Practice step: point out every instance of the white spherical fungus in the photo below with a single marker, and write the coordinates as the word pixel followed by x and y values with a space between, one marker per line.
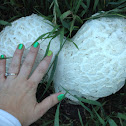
pixel 26 30
pixel 98 68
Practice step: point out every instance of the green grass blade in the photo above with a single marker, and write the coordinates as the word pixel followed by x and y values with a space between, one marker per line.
pixel 51 5
pixel 51 75
pixel 79 19
pixel 112 122
pixel 72 26
pixel 57 9
pixel 91 113
pixel 84 6
pixel 82 13
pixel 14 17
pixel 117 2
pixel 12 2
pixel 56 121
pixel 2 22
pixel 47 123
pixel 80 118
pixel 47 49
pixel 95 5
pixel 122 116
pixel 5 58
pixel 99 118
pixel 61 37
pixel 65 24
pixel 73 43
pixel 88 3
pixel 78 6
pixel 56 2
pixel 89 101
pixel 65 15
pixel 122 6
pixel 80 102
pixel 87 124
pixel 40 37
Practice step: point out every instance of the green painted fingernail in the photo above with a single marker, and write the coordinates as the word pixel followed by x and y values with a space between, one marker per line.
pixel 20 46
pixel 35 44
pixel 61 97
pixel 2 56
pixel 49 53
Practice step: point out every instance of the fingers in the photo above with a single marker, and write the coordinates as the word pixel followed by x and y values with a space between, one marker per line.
pixel 47 103
pixel 16 61
pixel 29 61
pixel 39 72
pixel 2 67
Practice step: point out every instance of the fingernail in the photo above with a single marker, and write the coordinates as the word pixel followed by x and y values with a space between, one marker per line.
pixel 20 46
pixel 2 56
pixel 61 97
pixel 35 44
pixel 49 53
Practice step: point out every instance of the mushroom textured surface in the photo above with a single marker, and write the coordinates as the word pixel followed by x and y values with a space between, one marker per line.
pixel 98 68
pixel 26 30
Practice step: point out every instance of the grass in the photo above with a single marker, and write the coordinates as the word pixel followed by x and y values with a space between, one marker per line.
pixel 68 16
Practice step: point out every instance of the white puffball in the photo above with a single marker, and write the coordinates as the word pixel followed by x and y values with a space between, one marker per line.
pixel 98 68
pixel 26 30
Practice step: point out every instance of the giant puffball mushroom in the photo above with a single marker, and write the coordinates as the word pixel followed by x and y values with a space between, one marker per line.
pixel 98 68
pixel 26 30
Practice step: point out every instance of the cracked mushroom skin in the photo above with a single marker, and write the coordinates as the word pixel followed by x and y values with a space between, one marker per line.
pixel 26 30
pixel 98 68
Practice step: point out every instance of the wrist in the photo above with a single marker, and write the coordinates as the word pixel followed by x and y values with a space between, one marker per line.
pixel 7 118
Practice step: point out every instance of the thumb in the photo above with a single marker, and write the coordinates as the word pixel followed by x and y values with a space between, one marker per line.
pixel 47 103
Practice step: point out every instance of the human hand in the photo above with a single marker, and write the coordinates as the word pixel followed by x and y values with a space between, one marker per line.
pixel 18 92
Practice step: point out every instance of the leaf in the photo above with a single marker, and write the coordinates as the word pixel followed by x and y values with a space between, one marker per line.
pixel 83 12
pixel 14 17
pixel 56 121
pixel 99 118
pixel 56 2
pixel 40 37
pixel 5 58
pixel 65 24
pixel 117 2
pixel 51 75
pixel 61 37
pixel 55 28
pixel 89 101
pixel 87 124
pixel 47 49
pixel 78 6
pixel 65 14
pixel 80 118
pixel 73 43
pixel 12 2
pixel 88 3
pixel 84 6
pixel 112 122
pixel 72 26
pixel 2 22
pixel 47 123
pixel 122 6
pixel 122 116
pixel 79 19
pixel 86 108
pixel 67 91
pixel 95 5
pixel 57 8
